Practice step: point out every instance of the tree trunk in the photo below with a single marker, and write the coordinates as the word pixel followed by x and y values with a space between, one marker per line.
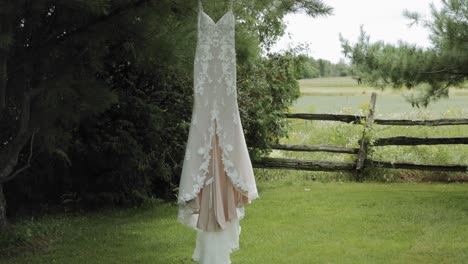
pixel 3 219
pixel 3 79
pixel 5 31
pixel 10 153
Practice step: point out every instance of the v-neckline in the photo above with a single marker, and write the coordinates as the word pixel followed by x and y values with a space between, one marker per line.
pixel 216 23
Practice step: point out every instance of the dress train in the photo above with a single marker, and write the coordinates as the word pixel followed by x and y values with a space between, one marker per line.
pixel 220 211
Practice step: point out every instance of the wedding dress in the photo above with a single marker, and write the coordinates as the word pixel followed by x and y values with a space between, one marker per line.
pixel 217 178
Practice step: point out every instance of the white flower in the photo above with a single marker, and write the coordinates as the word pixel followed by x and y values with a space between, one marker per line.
pixel 214 112
pixel 234 118
pixel 204 166
pixel 201 150
pixel 229 147
pixel 211 130
pixel 228 163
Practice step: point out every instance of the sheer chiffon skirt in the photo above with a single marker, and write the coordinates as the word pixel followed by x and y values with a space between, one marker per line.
pixel 221 207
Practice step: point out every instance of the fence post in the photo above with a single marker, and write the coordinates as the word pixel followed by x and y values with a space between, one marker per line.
pixel 362 154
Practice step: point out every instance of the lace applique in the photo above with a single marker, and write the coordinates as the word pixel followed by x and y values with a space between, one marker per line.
pixel 227 56
pixel 235 118
pixel 222 36
pixel 205 152
pixel 185 215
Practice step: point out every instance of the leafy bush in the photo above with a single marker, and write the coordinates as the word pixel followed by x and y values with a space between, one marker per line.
pixel 267 88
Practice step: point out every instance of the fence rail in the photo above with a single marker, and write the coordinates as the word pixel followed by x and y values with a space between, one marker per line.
pixel 356 119
pixel 311 165
pixel 336 149
pixel 411 141
pixel 362 161
pixel 412 166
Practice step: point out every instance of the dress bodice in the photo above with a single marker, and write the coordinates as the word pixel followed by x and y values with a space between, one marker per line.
pixel 215 60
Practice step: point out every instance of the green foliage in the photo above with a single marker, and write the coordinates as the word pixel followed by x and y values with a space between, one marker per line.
pixel 322 68
pixel 266 90
pixel 436 69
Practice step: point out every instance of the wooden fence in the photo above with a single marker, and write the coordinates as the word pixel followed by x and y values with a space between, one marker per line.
pixel 362 161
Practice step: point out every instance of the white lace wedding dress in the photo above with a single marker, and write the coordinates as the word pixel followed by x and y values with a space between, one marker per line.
pixel 217 177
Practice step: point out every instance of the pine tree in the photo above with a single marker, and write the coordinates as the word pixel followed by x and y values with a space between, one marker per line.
pixel 50 52
pixel 433 70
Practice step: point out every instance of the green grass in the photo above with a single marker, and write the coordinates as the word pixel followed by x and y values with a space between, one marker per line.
pixel 328 82
pixel 387 105
pixel 299 222
pixel 342 94
pixel 348 86
pixel 333 86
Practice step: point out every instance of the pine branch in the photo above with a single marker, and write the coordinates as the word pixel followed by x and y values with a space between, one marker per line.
pixel 116 12
pixel 53 42
pixel 443 70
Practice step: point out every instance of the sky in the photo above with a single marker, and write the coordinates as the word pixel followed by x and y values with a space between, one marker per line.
pixel 382 20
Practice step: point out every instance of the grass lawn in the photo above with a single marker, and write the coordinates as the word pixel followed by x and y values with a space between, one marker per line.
pixel 292 222
pixel 332 82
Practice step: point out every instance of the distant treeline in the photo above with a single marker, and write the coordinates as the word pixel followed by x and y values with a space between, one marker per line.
pixel 316 68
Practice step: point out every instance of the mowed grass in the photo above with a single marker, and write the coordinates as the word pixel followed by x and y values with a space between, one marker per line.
pixel 387 105
pixel 299 222
pixel 329 82
pixel 333 86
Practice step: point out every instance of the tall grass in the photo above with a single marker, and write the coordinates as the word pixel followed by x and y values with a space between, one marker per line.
pixel 341 134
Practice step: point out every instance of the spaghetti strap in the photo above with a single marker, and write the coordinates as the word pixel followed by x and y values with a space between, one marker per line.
pixel 230 4
pixel 200 5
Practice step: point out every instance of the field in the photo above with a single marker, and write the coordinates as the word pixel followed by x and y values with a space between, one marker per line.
pixel 347 85
pixel 342 94
pixel 301 216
